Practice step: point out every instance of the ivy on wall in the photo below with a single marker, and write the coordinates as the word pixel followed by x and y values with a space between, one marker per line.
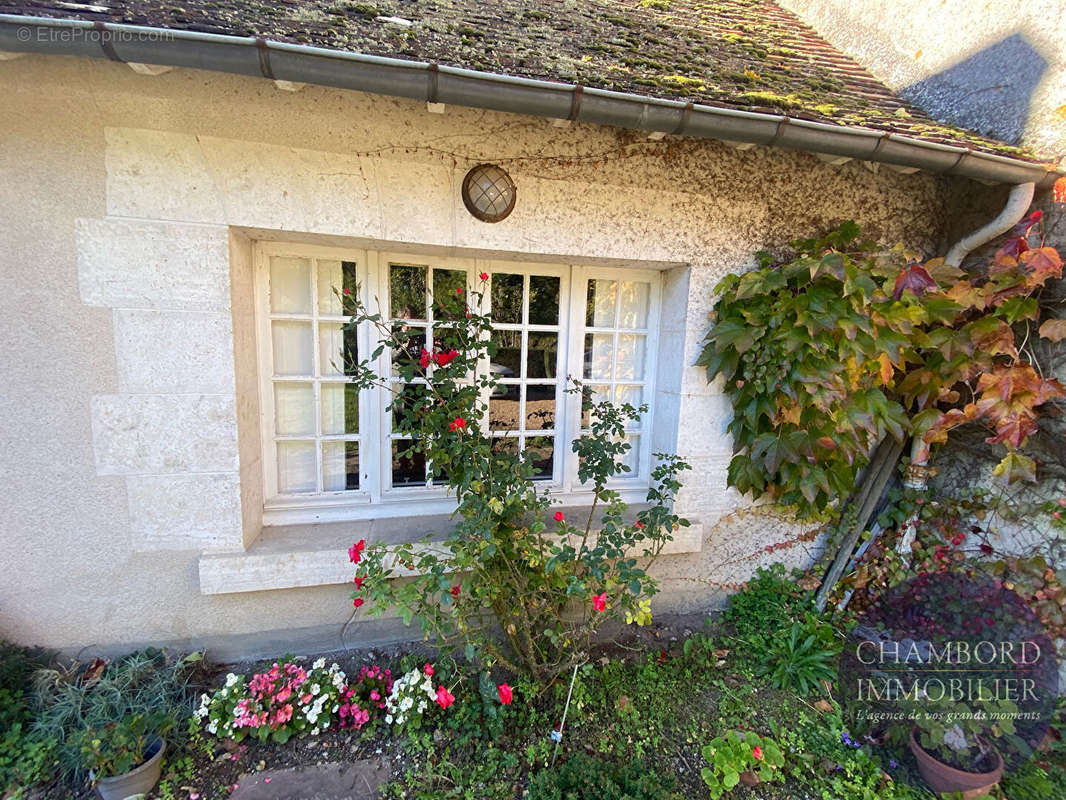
pixel 826 353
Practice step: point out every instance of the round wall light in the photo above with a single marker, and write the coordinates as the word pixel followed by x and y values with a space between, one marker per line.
pixel 489 193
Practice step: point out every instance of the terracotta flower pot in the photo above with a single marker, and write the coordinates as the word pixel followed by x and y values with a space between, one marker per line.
pixel 138 781
pixel 942 778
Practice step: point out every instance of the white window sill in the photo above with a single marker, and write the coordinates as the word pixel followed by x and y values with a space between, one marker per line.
pixel 297 556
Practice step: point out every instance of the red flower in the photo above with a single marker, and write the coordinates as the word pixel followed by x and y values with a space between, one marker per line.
pixel 506 694
pixel 958 538
pixel 428 669
pixel 443 359
pixel 455 591
pixel 424 359
pixel 358 580
pixel 347 292
pixel 355 552
pixel 484 276
pixel 357 602
pixel 458 291
pixel 559 516
pixel 444 697
pixel 638 525
pixel 986 549
pixel 457 424
pixel 757 752
pixel 599 601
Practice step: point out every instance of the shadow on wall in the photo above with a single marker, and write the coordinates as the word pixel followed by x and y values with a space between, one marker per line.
pixel 988 92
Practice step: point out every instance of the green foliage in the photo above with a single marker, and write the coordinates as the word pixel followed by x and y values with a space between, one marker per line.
pixel 766 606
pixel 1029 782
pixel 120 746
pixel 25 756
pixel 734 753
pixel 804 658
pixel 844 344
pixel 583 777
pixel 509 564
pixel 146 684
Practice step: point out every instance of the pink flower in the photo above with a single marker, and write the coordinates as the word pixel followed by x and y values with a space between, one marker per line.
pixel 599 602
pixel 355 552
pixel 428 669
pixel 283 695
pixel 457 424
pixel 1062 501
pixel 444 697
pixel 374 695
pixel 757 752
pixel 424 359
pixel 559 516
pixel 484 276
pixel 1056 515
pixel 305 698
pixel 506 694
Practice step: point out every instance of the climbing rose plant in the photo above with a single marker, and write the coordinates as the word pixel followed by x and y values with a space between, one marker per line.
pixel 825 354
pixel 510 565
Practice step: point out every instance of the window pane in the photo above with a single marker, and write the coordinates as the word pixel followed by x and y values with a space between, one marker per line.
pixel 405 405
pixel 600 307
pixel 294 409
pixel 506 444
pixel 290 285
pixel 543 300
pixel 338 349
pixel 340 408
pixel 408 469
pixel 630 361
pixel 633 309
pixel 296 467
pixel 407 292
pixel 542 355
pixel 292 348
pixel 631 458
pixel 540 407
pixel 340 466
pixel 503 408
pixel 410 355
pixel 506 298
pixel 449 293
pixel 599 348
pixel 507 363
pixel 541 452
pixel 333 278
pixel 632 395
pixel 600 392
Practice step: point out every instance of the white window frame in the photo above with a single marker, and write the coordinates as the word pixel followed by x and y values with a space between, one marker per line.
pixel 376 498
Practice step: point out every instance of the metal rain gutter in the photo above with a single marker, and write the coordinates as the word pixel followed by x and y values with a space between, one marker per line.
pixel 433 83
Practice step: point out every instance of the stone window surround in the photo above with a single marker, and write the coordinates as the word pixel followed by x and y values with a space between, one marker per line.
pixel 315 553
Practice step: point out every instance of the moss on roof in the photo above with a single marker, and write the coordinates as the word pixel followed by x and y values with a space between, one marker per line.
pixel 748 54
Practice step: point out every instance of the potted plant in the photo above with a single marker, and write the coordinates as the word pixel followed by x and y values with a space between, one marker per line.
pixel 954 748
pixel 740 757
pixel 125 757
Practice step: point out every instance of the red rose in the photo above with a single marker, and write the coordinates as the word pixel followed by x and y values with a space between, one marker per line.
pixel 357 602
pixel 443 359
pixel 599 602
pixel 444 697
pixel 356 550
pixel 424 359
pixel 506 694
pixel 559 516
pixel 484 276
pixel 757 752
pixel 455 591
pixel 457 424
pixel 358 580
pixel 428 669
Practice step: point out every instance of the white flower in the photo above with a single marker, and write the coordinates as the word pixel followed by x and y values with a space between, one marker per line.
pixel 320 664
pixel 212 727
pixel 224 693
pixel 335 667
pixel 315 688
pixel 388 718
pixel 231 679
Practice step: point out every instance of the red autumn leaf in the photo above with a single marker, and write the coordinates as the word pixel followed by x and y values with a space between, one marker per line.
pixel 916 278
pixel 1058 191
pixel 1041 264
pixel 1054 330
pixel 1027 224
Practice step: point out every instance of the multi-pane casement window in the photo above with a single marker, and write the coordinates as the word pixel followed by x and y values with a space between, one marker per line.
pixel 327 446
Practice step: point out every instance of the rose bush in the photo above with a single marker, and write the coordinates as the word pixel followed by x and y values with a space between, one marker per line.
pixel 505 567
